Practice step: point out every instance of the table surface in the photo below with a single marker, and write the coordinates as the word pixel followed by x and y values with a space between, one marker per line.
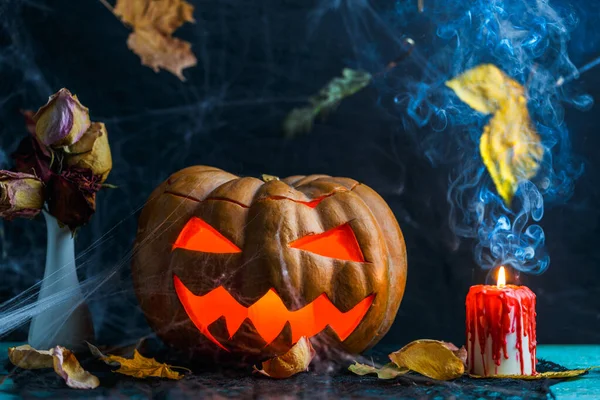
pixel 586 387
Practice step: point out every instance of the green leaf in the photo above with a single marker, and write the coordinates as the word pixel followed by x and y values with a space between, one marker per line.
pixel 300 120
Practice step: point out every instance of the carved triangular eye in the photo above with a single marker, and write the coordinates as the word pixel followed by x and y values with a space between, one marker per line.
pixel 339 242
pixel 197 235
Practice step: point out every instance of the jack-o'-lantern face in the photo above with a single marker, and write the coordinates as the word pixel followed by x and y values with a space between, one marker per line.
pixel 242 266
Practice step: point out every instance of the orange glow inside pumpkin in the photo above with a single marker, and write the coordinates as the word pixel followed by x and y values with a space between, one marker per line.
pixel 269 314
pixel 197 235
pixel 339 242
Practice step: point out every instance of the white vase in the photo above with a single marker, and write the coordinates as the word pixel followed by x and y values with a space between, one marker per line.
pixel 62 316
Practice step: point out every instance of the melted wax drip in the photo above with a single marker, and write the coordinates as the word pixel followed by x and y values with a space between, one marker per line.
pixel 490 308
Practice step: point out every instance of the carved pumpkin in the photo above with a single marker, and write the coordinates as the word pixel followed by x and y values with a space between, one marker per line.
pixel 224 264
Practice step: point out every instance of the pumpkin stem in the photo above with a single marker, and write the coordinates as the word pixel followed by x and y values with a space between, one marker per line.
pixel 269 178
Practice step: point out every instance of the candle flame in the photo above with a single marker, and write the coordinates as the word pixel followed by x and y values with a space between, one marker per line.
pixel 501 277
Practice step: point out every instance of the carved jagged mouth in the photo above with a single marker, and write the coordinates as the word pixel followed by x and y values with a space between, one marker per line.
pixel 269 314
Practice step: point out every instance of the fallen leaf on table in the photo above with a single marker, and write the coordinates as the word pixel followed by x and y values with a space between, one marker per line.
pixel 388 371
pixel 430 358
pixel 153 22
pixel 571 373
pixel 98 354
pixel 27 357
pixel 460 353
pixel 139 366
pixel 510 147
pixel 300 120
pixel 67 367
pixel 297 359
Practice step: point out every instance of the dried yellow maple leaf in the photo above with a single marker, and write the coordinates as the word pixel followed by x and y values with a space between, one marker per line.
pixel 161 51
pixel 68 368
pixel 431 358
pixel 153 22
pixel 510 147
pixel 166 16
pixel 141 367
pixel 297 359
pixel 27 357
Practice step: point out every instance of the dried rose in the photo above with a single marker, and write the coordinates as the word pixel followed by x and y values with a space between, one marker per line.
pixel 91 151
pixel 32 157
pixel 62 121
pixel 21 195
pixel 29 122
pixel 72 196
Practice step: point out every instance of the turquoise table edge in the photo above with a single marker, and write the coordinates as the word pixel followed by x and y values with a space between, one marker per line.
pixel 586 387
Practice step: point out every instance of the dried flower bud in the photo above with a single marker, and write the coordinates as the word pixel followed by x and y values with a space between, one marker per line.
pixel 91 151
pixel 32 157
pixel 21 195
pixel 62 121
pixel 72 196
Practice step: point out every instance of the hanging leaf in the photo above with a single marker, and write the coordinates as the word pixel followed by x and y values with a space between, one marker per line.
pixel 139 366
pixel 153 22
pixel 297 359
pixel 67 367
pixel 27 357
pixel 430 358
pixel 300 120
pixel 510 147
pixel 388 371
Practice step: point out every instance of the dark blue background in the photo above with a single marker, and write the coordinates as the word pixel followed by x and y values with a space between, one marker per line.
pixel 257 60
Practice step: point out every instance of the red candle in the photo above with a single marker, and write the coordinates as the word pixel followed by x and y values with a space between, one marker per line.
pixel 501 329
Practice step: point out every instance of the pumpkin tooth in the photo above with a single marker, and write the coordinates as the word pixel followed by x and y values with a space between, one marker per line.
pixel 269 315
pixel 283 342
pixel 247 339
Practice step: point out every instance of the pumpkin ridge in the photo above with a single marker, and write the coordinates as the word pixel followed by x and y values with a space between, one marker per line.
pixel 314 201
pixel 207 199
pixel 226 199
